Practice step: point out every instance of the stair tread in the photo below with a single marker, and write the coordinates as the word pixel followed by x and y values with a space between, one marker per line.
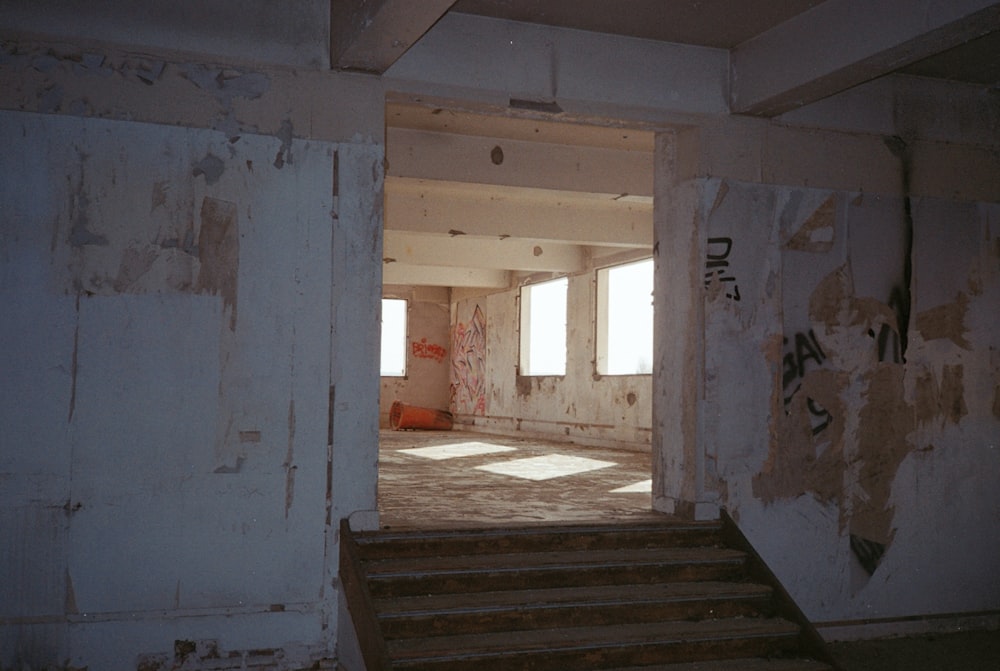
pixel 517 561
pixel 583 638
pixel 565 597
pixel 372 537
pixel 536 538
pixel 742 664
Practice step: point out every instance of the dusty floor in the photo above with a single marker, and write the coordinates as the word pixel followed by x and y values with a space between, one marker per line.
pixel 456 478
pixel 446 481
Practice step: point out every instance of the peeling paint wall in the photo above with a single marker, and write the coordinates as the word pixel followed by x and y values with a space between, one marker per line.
pixel 174 461
pixel 488 394
pixel 874 319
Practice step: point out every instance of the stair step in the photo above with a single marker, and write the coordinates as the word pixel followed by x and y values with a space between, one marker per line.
pixel 380 544
pixel 486 573
pixel 742 664
pixel 569 607
pixel 597 647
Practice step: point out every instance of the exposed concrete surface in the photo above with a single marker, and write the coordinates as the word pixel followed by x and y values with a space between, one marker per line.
pixel 419 491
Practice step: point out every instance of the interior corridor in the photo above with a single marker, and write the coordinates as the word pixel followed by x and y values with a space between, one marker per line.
pixel 457 478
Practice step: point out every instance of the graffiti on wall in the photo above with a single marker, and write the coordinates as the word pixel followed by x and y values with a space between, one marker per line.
pixel 428 350
pixel 805 348
pixel 468 365
pixel 717 266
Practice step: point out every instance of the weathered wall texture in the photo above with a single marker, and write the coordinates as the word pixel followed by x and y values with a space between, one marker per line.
pixel 190 258
pixel 167 362
pixel 872 318
pixel 487 393
pixel 428 357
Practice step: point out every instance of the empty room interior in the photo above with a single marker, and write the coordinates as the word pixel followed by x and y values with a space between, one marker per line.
pixel 496 334
pixel 518 298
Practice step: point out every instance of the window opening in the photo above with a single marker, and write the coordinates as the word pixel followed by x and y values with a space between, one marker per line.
pixel 393 357
pixel 625 319
pixel 543 328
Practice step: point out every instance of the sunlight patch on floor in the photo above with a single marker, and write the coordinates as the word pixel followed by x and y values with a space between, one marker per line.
pixel 545 467
pixel 440 452
pixel 644 487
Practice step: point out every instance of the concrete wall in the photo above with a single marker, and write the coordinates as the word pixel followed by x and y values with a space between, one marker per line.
pixel 190 257
pixel 189 404
pixel 427 352
pixel 844 344
pixel 488 394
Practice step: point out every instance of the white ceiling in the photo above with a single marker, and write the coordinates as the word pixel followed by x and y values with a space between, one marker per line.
pixel 474 201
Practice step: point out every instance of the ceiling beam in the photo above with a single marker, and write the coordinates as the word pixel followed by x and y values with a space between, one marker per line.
pixel 441 276
pixel 464 251
pixel 370 35
pixel 543 165
pixel 841 43
pixel 478 210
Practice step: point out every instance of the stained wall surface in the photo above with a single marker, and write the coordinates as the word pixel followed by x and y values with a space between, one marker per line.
pixel 582 406
pixel 427 352
pixel 190 255
pixel 850 379
pixel 173 300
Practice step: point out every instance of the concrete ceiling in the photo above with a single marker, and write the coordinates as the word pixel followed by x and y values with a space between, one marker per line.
pixel 491 201
pixel 958 39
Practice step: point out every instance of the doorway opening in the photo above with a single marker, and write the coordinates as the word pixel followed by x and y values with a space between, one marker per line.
pixel 484 215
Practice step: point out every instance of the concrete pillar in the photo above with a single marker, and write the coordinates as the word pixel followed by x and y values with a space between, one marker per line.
pixel 679 343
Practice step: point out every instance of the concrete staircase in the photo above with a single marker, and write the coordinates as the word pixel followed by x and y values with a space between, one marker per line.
pixel 652 596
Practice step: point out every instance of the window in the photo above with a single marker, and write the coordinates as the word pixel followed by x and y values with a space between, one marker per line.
pixel 393 361
pixel 543 328
pixel 625 319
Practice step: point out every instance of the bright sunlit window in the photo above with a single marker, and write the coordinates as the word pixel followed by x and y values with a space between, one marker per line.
pixel 625 319
pixel 393 337
pixel 543 328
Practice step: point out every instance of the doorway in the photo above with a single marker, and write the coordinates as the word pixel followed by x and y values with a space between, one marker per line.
pixel 478 210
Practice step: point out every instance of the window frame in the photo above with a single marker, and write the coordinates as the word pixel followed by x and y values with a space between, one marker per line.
pixel 524 358
pixel 405 338
pixel 602 319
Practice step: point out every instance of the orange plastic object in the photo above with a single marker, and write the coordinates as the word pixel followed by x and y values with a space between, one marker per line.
pixel 402 416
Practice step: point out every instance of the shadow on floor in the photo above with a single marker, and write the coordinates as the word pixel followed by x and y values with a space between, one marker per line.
pixel 963 651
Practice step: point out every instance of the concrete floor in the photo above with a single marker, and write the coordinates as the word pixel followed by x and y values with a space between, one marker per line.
pixel 457 478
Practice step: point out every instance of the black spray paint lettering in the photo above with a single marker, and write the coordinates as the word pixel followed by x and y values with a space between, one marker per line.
pixel 717 262
pixel 806 348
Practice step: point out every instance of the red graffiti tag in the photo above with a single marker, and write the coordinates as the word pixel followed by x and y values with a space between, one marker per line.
pixel 426 350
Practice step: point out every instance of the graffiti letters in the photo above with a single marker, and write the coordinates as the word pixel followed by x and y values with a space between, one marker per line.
pixel 717 264
pixel 426 350
pixel 468 366
pixel 805 348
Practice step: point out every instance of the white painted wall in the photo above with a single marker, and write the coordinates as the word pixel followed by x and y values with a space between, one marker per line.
pixel 166 393
pixel 895 460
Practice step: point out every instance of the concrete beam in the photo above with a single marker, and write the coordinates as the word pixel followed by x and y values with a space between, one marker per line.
pixel 842 43
pixel 492 160
pixel 504 212
pixel 495 62
pixel 369 35
pixel 487 253
pixel 441 276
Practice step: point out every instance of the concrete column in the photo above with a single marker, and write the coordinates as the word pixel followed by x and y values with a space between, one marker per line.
pixel 679 342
